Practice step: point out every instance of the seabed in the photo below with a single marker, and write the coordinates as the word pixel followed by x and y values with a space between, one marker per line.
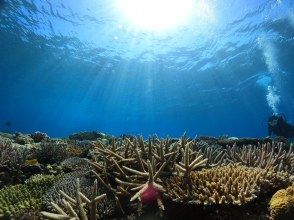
pixel 92 175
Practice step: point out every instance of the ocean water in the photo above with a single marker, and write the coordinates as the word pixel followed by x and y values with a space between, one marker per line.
pixel 69 65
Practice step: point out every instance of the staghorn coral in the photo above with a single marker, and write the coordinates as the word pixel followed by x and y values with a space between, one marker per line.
pixel 149 191
pixel 133 163
pixel 231 184
pixel 125 165
pixel 188 164
pixel 264 156
pixel 19 199
pixel 68 185
pixel 75 208
pixel 282 204
pixel 135 154
pixel 216 155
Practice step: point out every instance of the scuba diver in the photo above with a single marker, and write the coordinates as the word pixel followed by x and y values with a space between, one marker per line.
pixel 278 126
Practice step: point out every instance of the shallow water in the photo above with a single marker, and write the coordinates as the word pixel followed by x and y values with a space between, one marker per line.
pixel 67 66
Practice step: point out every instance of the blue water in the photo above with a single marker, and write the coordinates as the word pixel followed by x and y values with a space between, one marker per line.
pixel 67 66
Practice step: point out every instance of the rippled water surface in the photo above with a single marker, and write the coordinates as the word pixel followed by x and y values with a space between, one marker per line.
pixel 69 65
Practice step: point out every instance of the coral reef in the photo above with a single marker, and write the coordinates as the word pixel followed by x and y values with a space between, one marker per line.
pixel 231 184
pixel 75 207
pixel 22 139
pixel 69 186
pixel 88 135
pixel 42 180
pixel 51 152
pixel 264 156
pixel 187 164
pixel 282 204
pixel 39 136
pixel 79 148
pixel 216 155
pixel 11 161
pixel 149 191
pixel 19 199
pixel 135 175
pixel 75 164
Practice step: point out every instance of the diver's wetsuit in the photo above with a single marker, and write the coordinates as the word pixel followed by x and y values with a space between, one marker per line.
pixel 278 126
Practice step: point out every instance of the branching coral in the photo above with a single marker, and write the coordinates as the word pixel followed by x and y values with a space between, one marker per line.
pixel 131 169
pixel 75 208
pixel 231 184
pixel 149 191
pixel 187 165
pixel 216 155
pixel 264 156
pixel 68 185
pixel 137 165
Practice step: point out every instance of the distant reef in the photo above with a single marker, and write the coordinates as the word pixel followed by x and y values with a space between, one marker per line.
pixel 93 175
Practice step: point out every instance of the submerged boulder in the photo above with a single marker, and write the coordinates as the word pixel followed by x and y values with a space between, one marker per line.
pixel 22 139
pixel 39 136
pixel 88 135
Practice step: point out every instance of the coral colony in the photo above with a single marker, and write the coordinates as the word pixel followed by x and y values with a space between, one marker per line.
pixel 91 175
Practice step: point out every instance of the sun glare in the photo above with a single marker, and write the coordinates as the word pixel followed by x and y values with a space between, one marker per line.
pixel 156 15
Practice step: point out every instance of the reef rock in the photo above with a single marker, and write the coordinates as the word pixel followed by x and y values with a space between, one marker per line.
pixel 22 139
pixel 88 135
pixel 39 136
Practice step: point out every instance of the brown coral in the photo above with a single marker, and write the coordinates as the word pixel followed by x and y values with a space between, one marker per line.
pixel 11 160
pixel 216 155
pixel 231 184
pixel 282 204
pixel 263 156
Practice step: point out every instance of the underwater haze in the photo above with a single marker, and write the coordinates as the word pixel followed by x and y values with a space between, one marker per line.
pixel 73 65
